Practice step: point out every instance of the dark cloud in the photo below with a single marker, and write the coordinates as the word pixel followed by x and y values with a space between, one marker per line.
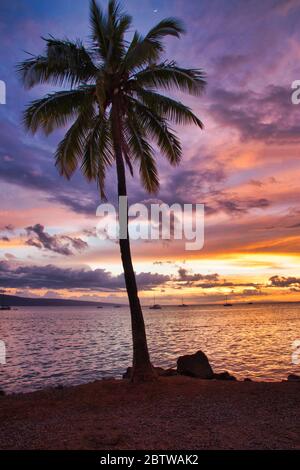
pixel 207 281
pixel 186 276
pixel 239 206
pixel 265 116
pixel 62 244
pixel 7 229
pixel 206 187
pixel 191 186
pixel 54 277
pixel 33 168
pixel 281 281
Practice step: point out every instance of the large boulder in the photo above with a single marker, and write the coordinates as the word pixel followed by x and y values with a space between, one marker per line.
pixel 195 365
pixel 293 378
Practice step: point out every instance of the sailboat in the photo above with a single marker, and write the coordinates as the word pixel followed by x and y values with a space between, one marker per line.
pixel 227 304
pixel 155 306
pixel 2 306
pixel 182 304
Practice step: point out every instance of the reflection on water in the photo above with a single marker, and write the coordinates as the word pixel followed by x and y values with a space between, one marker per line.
pixel 66 345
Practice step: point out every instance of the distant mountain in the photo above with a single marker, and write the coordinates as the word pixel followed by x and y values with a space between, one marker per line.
pixel 15 301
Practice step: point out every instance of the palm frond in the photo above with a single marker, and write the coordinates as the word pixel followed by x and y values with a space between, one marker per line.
pixel 98 23
pixel 71 149
pixel 118 42
pixel 168 75
pixel 98 153
pixel 157 130
pixel 64 62
pixel 166 27
pixel 118 24
pixel 143 51
pixel 57 109
pixel 168 108
pixel 140 52
pixel 143 153
pixel 149 173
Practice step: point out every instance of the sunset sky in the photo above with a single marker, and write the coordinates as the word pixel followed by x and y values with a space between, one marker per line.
pixel 244 166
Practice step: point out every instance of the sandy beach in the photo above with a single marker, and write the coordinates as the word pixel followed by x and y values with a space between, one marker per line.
pixel 174 413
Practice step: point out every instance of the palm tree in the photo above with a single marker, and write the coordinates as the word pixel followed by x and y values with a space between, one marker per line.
pixel 116 115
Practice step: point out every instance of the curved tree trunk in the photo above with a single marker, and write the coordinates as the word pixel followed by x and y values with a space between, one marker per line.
pixel 142 368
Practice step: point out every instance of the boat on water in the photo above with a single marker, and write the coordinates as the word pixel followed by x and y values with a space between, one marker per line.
pixel 3 306
pixel 182 304
pixel 117 306
pixel 99 306
pixel 155 306
pixel 227 304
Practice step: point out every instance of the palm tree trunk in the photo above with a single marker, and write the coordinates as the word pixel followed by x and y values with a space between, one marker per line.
pixel 142 368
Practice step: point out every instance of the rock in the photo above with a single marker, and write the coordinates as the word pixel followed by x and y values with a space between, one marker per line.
pixel 59 387
pixel 293 378
pixel 224 376
pixel 159 370
pixel 2 393
pixel 195 365
pixel 168 372
pixel 247 379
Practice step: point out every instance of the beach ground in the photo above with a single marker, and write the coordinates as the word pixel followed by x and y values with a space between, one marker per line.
pixel 174 413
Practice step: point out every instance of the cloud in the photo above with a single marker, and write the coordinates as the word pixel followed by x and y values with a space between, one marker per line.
pixel 5 231
pixel 238 206
pixel 208 281
pixel 281 281
pixel 62 244
pixel 188 277
pixel 266 116
pixel 54 277
pixel 188 186
pixel 32 168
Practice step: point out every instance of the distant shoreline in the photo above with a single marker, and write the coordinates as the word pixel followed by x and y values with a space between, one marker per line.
pixel 16 301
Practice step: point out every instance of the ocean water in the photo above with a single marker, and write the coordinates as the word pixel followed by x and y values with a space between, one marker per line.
pixel 48 346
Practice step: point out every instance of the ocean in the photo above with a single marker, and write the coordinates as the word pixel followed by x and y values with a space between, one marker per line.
pixel 50 346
